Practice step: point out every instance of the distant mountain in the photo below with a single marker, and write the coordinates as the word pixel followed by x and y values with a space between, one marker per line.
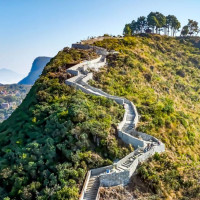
pixel 9 77
pixel 37 67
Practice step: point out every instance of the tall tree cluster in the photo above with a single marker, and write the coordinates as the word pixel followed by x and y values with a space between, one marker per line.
pixel 157 23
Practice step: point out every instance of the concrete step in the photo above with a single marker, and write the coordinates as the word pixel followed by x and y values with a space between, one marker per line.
pixel 119 170
pixel 79 78
pixel 93 184
pixel 127 127
pixel 129 122
pixel 92 188
pixel 130 117
pixel 122 168
pixel 130 110
pixel 127 165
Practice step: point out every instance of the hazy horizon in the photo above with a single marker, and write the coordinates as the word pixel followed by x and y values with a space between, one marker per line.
pixel 8 76
pixel 38 28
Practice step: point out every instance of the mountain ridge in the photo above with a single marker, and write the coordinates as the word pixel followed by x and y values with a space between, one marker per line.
pixel 37 67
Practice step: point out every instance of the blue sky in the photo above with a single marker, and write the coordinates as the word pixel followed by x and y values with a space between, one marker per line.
pixel 31 28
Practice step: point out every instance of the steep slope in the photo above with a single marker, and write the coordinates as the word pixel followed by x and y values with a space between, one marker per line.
pixel 37 67
pixel 8 76
pixel 56 135
pixel 161 76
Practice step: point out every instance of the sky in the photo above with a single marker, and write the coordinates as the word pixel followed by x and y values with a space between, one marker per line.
pixel 32 28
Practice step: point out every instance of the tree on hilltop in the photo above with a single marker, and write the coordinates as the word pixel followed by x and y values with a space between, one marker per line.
pixel 185 31
pixel 127 30
pixel 142 23
pixel 152 21
pixel 161 21
pixel 172 24
pixel 191 28
pixel 138 26
pixel 157 22
pixel 134 27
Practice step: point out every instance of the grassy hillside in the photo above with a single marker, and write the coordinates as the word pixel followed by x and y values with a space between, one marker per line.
pixel 161 75
pixel 56 135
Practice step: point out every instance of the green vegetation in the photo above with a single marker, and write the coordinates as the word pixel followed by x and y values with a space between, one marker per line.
pixel 156 22
pixel 56 135
pixel 160 75
pixel 191 28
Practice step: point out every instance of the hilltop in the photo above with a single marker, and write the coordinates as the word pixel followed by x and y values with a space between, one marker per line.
pixel 37 67
pixel 50 141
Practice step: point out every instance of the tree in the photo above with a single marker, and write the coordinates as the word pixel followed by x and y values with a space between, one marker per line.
pixel 134 27
pixel 141 23
pixel 176 27
pixel 185 31
pixel 156 20
pixel 127 30
pixel 173 24
pixel 193 27
pixel 152 21
pixel 161 21
pixel 169 21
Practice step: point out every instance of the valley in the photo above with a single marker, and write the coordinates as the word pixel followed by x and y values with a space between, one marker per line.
pixel 11 96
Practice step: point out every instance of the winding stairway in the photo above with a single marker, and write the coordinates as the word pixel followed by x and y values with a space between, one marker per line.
pixel 145 145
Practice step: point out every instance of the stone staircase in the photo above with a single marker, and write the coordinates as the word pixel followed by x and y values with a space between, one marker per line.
pixel 145 145
pixel 92 188
pixel 129 119
pixel 129 161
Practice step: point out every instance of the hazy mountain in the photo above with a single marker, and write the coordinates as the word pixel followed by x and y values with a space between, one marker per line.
pixel 8 76
pixel 38 65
